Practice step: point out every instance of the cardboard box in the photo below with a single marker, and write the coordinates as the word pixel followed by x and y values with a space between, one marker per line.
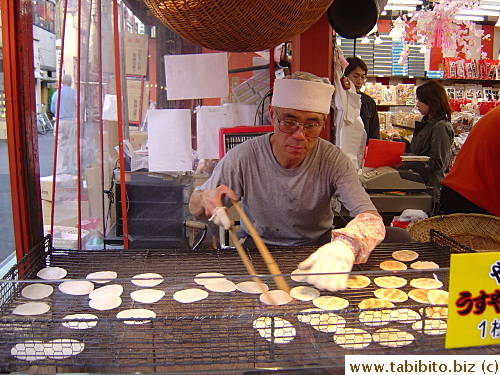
pixel 138 139
pixel 66 187
pixel 136 54
pixel 137 99
pixel 65 212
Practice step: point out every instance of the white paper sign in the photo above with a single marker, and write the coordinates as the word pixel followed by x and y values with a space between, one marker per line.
pixel 109 112
pixel 197 76
pixel 210 119
pixel 169 140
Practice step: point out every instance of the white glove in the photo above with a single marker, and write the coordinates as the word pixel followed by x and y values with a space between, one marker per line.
pixel 333 257
pixel 221 218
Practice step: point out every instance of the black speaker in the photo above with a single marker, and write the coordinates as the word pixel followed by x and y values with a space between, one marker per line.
pixel 353 19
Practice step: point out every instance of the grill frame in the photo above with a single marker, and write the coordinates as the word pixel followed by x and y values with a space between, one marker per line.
pixel 216 332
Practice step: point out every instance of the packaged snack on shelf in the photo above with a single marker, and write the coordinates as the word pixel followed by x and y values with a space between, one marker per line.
pixel 388 95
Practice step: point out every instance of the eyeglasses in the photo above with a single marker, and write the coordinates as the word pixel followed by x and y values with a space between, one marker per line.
pixel 311 130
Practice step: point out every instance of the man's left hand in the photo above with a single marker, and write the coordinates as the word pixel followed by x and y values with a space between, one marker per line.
pixel 331 258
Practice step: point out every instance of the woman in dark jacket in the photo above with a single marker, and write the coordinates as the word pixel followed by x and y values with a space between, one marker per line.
pixel 433 136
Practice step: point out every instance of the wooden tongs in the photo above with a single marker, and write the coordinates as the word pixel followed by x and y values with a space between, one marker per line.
pixel 272 266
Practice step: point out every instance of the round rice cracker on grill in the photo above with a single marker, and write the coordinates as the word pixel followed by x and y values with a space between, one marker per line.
pixel 375 318
pixel 436 312
pixel 113 289
pixel 102 277
pixel 405 255
pixel 279 297
pixel 307 315
pixel 431 327
pixel 373 303
pixel 31 308
pixel 301 277
pixel 392 337
pixel 390 281
pixel 155 279
pixel 76 288
pixel 63 348
pixel 389 294
pixel 277 330
pixel 424 265
pixel 147 295
pixel 405 316
pixel 352 338
pixel 438 297
pixel 419 295
pixel 205 277
pixel 426 283
pixel 105 302
pixel 330 303
pixel 304 293
pixel 190 295
pixel 392 265
pixel 251 287
pixel 30 350
pixel 74 321
pixel 357 281
pixel 37 291
pixel 139 314
pixel 220 285
pixel 52 273
pixel 328 322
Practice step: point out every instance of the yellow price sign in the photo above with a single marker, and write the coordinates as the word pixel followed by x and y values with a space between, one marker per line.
pixel 474 305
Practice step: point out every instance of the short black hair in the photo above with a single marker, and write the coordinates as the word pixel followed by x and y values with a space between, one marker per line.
pixel 355 62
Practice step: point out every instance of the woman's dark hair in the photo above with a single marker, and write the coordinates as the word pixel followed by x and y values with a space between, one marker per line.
pixel 355 62
pixel 434 95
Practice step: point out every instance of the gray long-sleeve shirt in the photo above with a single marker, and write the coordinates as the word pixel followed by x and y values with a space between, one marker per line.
pixel 290 207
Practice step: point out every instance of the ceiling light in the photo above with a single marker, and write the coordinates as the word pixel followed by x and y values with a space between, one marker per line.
pixel 405 2
pixel 365 40
pixel 469 18
pixel 400 7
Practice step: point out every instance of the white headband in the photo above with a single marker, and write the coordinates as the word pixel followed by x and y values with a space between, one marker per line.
pixel 304 95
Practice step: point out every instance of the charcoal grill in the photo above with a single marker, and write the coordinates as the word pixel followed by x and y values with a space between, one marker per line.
pixel 215 333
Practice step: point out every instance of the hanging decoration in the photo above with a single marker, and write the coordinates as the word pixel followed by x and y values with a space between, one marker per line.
pixel 438 27
pixel 238 25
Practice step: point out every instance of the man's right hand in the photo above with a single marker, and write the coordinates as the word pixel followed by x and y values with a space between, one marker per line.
pixel 203 203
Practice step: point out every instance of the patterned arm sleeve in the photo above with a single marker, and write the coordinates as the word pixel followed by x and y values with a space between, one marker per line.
pixel 361 234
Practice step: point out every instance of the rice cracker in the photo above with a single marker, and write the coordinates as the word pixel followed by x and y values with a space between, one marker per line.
pixel 419 295
pixel 431 327
pixel 405 316
pixel 438 297
pixel 389 294
pixel 392 265
pixel 375 317
pixel 405 255
pixel 352 338
pixel 390 282
pixel 357 281
pixel 392 337
pixel 424 265
pixel 426 283
pixel 435 312
pixel 373 303
pixel 330 303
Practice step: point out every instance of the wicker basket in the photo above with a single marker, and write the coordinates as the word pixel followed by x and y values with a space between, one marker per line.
pixel 476 231
pixel 70 243
pixel 238 25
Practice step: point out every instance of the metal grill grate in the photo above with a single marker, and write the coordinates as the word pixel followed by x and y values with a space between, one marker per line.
pixel 214 332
